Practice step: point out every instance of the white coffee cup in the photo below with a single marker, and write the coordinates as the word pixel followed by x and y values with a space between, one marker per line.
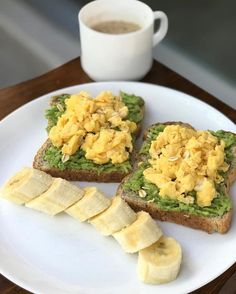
pixel 119 56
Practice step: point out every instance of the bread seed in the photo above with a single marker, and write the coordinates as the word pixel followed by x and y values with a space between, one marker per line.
pixel 146 188
pixel 100 111
pixel 142 193
pixel 173 158
pixel 60 107
pixel 186 155
pixel 199 185
pixel 114 114
pixel 65 157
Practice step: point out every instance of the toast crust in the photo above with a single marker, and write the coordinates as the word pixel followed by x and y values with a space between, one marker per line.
pixel 207 224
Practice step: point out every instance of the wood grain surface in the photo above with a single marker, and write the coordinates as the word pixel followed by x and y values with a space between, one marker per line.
pixel 70 74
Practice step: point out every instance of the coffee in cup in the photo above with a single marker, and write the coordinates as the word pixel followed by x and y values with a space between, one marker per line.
pixel 117 38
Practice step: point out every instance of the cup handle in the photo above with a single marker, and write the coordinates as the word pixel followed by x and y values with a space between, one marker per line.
pixel 160 34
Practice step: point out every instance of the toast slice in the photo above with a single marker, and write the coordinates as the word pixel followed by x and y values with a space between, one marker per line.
pixel 215 218
pixel 78 168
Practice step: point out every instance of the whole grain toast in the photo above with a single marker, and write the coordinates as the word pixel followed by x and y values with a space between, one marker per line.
pixel 219 224
pixel 74 174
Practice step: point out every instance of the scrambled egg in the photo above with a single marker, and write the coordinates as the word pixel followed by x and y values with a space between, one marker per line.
pixel 95 125
pixel 185 160
pixel 108 145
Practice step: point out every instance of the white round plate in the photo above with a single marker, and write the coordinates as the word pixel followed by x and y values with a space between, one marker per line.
pixel 61 255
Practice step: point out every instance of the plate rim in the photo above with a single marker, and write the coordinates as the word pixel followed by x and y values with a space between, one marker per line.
pixel 21 283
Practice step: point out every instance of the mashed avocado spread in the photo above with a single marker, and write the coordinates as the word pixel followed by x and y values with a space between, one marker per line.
pixel 53 155
pixel 219 206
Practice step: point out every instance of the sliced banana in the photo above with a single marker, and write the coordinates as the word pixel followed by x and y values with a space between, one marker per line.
pixel 26 185
pixel 118 216
pixel 93 203
pixel 57 198
pixel 160 263
pixel 140 234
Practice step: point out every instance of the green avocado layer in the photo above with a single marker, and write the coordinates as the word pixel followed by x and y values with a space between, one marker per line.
pixel 135 105
pixel 78 161
pixel 53 155
pixel 229 140
pixel 219 206
pixel 53 113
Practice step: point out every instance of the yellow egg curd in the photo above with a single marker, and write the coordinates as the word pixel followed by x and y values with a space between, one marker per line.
pixel 185 160
pixel 98 126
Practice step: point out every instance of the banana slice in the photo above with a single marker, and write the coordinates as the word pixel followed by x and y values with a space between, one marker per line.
pixel 140 234
pixel 93 203
pixel 160 263
pixel 118 216
pixel 26 185
pixel 57 198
